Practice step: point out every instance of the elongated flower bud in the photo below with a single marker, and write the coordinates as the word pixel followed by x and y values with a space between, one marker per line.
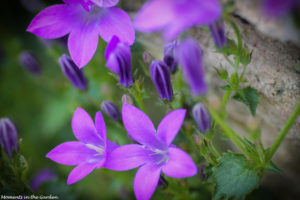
pixel 111 110
pixel 118 60
pixel 8 136
pixel 169 55
pixel 160 75
pixel 72 72
pixel 190 57
pixel 201 116
pixel 217 31
pixel 127 99
pixel 29 61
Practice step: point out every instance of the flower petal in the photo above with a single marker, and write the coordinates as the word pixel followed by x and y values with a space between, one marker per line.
pixel 100 125
pixel 105 3
pixel 170 125
pixel 111 46
pixel 145 181
pixel 52 22
pixel 84 129
pixel 127 157
pixel 140 127
pixel 116 22
pixel 155 15
pixel 80 172
pixel 82 43
pixel 110 146
pixel 71 153
pixel 180 164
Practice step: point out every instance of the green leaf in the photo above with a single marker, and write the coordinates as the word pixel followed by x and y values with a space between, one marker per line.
pixel 234 81
pixel 235 177
pixel 245 56
pixel 272 167
pixel 222 73
pixel 249 97
pixel 226 87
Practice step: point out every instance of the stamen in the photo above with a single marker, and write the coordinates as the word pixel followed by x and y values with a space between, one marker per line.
pixel 98 149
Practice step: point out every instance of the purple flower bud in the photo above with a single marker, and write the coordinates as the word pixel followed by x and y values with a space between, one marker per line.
pixel 147 58
pixel 190 57
pixel 118 58
pixel 217 30
pixel 160 75
pixel 169 58
pixel 72 72
pixel 201 116
pixel 29 61
pixel 126 99
pixel 111 110
pixel 8 136
pixel 42 176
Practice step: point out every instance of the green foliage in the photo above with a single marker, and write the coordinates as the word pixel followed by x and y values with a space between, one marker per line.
pixel 235 177
pixel 272 167
pixel 249 97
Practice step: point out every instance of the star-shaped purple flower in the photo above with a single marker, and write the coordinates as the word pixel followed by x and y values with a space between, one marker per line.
pixel 154 154
pixel 85 20
pixel 89 152
pixel 175 16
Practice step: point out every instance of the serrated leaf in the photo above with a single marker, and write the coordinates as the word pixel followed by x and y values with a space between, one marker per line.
pixel 235 177
pixel 249 97
pixel 272 167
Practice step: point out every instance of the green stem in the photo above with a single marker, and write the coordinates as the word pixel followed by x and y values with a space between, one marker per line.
pixel 224 101
pixel 140 102
pixel 284 131
pixel 237 33
pixel 230 133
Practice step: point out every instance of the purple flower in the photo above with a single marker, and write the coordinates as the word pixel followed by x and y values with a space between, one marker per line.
pixel 278 8
pixel 201 116
pixel 175 16
pixel 217 31
pixel 169 58
pixel 8 136
pixel 160 76
pixel 118 58
pixel 72 72
pixel 41 177
pixel 89 152
pixel 190 57
pixel 111 110
pixel 85 21
pixel 154 154
pixel 29 61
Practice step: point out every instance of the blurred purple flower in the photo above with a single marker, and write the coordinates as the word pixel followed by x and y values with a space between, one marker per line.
pixel 85 21
pixel 8 136
pixel 72 72
pixel 42 176
pixel 217 31
pixel 29 61
pixel 169 57
pixel 278 8
pixel 190 57
pixel 160 76
pixel 201 116
pixel 118 60
pixel 175 16
pixel 111 110
pixel 89 152
pixel 155 152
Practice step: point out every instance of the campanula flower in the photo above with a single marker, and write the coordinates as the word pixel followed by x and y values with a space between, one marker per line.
pixel 169 57
pixel 29 61
pixel 84 20
pixel 8 136
pixel 174 16
pixel 217 30
pixel 72 72
pixel 89 152
pixel 154 153
pixel 118 60
pixel 202 118
pixel 111 110
pixel 41 177
pixel 278 8
pixel 160 76
pixel 190 57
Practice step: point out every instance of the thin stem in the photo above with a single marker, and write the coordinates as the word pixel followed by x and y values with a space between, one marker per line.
pixel 224 101
pixel 140 102
pixel 230 133
pixel 284 131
